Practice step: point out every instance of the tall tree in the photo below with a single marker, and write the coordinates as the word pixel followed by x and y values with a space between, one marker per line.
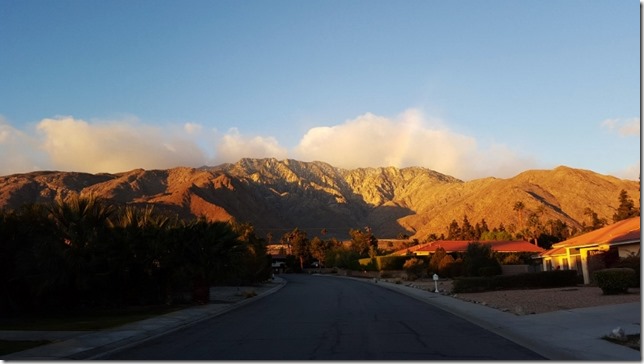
pixel 519 206
pixel 300 245
pixel 453 231
pixel 595 221
pixel 362 242
pixel 467 230
pixel 626 208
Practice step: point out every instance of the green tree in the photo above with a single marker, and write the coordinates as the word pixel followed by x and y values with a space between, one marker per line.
pixel 363 242
pixel 453 231
pixel 300 245
pixel 595 221
pixel 479 256
pixel 435 260
pixel 626 208
pixel 467 230
pixel 519 206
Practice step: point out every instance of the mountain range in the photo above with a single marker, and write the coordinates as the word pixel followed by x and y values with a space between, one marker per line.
pixel 276 196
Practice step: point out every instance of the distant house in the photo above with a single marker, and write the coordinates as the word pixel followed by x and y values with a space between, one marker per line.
pixel 460 246
pixel 620 239
pixel 278 253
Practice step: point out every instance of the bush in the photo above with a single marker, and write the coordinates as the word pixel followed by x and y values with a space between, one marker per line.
pixel 414 268
pixel 444 265
pixel 393 262
pixel 614 280
pixel 456 268
pixel 632 261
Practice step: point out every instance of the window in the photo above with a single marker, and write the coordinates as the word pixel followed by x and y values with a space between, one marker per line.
pixel 564 264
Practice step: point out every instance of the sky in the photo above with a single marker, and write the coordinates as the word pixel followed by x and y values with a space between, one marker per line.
pixel 467 88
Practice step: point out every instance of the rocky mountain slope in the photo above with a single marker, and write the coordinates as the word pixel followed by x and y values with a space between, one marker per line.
pixel 277 196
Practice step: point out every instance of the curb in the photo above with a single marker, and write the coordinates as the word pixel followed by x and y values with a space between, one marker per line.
pixel 164 331
pixel 132 334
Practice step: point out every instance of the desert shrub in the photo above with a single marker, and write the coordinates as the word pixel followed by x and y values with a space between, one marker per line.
pixel 414 268
pixel 444 265
pixel 614 280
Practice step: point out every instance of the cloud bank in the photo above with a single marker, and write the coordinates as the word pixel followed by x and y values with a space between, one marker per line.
pixel 409 139
pixel 625 127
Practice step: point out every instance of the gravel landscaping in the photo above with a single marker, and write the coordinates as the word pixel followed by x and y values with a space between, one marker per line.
pixel 532 301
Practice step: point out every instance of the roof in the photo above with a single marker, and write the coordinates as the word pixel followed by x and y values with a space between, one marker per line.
pixel 451 246
pixel 622 232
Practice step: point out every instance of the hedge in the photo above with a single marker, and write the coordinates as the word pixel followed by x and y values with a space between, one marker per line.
pixel 558 278
pixel 614 280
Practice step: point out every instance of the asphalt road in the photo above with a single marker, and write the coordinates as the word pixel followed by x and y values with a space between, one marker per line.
pixel 331 318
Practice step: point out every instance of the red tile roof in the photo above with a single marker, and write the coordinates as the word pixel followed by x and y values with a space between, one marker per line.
pixel 461 246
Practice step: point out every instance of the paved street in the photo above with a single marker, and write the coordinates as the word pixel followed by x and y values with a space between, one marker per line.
pixel 329 318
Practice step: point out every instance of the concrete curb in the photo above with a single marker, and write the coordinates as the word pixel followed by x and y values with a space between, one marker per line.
pixel 542 333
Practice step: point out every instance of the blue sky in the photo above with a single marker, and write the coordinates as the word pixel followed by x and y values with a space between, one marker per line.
pixel 468 88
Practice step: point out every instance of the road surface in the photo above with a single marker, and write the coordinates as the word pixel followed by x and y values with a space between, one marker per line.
pixel 331 318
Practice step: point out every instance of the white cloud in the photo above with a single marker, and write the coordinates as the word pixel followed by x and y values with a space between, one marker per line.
pixel 115 146
pixel 408 140
pixel 626 127
pixel 234 146
pixel 631 172
pixel 192 128
pixel 18 150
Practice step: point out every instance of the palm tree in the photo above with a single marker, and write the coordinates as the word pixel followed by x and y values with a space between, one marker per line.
pixel 82 247
pixel 519 207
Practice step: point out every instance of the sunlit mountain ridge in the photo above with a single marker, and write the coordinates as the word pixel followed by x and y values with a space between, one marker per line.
pixel 276 196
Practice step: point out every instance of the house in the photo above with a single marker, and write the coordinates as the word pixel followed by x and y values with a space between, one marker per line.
pixel 582 252
pixel 460 246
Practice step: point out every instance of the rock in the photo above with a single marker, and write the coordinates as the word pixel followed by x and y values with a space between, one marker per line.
pixel 618 334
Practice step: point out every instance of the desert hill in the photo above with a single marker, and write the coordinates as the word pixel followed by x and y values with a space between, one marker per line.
pixel 277 196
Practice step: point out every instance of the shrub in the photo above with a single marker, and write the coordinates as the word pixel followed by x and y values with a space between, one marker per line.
pixel 456 268
pixel 444 265
pixel 614 280
pixel 632 261
pixel 414 268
